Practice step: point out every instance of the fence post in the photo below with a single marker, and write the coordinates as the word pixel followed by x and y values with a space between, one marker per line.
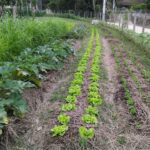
pixel 134 25
pixel 144 23
pixel 128 21
pixel 119 20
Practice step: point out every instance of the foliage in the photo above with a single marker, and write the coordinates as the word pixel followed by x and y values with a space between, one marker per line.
pixel 90 119
pixel 59 130
pixel 86 133
pixel 91 110
pixel 68 107
pixel 141 6
pixel 128 97
pixel 71 99
pixel 79 31
pixel 64 119
pixel 75 90
pixel 21 33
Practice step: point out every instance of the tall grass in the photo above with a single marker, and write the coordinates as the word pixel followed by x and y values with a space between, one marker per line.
pixel 18 34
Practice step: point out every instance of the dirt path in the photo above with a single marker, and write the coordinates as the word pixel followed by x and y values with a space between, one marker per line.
pixel 109 63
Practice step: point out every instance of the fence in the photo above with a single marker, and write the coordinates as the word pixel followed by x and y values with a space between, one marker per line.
pixel 138 22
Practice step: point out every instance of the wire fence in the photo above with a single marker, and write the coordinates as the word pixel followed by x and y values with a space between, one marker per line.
pixel 138 22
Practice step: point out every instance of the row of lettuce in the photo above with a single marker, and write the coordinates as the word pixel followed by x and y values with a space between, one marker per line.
pixel 28 69
pixel 75 90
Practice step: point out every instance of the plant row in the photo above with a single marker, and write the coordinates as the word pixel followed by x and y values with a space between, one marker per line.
pixel 128 97
pixel 94 99
pixel 73 92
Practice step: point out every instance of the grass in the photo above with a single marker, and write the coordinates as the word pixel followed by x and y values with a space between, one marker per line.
pixel 15 35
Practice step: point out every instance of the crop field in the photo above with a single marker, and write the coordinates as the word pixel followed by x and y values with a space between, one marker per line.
pixel 68 85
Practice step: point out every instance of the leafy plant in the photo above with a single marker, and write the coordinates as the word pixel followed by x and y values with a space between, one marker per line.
pixel 93 89
pixel 59 130
pixel 64 119
pixel 94 78
pixel 68 107
pixel 71 99
pixel 77 81
pixel 86 133
pixel 90 119
pixel 75 90
pixel 91 110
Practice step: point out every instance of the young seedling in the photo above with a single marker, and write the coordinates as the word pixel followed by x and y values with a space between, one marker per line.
pixel 59 130
pixel 68 107
pixel 64 119
pixel 90 119
pixel 86 133
pixel 75 90
pixel 91 110
pixel 71 99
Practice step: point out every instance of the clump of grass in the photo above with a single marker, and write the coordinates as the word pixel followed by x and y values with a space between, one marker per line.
pixel 21 33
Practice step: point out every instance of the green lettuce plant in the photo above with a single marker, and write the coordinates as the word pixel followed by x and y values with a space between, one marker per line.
pixel 95 101
pixel 59 130
pixel 91 110
pixel 64 119
pixel 71 99
pixel 86 133
pixel 75 90
pixel 90 119
pixel 68 107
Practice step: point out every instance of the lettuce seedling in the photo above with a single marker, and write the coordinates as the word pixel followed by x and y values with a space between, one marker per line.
pixel 75 90
pixel 68 107
pixel 93 88
pixel 94 84
pixel 78 81
pixel 93 94
pixel 81 69
pixel 71 99
pixel 95 101
pixel 59 130
pixel 91 110
pixel 94 78
pixel 132 110
pixel 95 69
pixel 86 133
pixel 90 119
pixel 64 119
pixel 130 102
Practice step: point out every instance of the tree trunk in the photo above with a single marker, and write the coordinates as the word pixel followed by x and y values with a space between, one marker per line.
pixel 114 5
pixel 104 9
pixel 94 7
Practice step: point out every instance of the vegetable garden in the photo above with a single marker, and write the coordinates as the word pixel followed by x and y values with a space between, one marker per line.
pixel 67 84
